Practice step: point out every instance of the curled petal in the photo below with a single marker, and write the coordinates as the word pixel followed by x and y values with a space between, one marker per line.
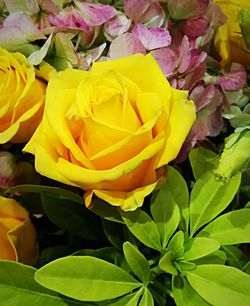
pixel 195 27
pixel 153 16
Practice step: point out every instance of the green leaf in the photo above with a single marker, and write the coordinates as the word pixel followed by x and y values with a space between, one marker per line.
pixel 176 245
pixel 221 285
pixel 230 228
pixel 202 160
pixel 210 197
pixel 184 294
pixel 177 186
pixel 143 228
pixel 235 257
pixel 105 210
pixel 114 232
pixel 127 300
pixel 137 262
pixel 185 265
pixel 218 257
pixel 166 264
pixel 200 247
pixel 147 298
pixel 86 278
pixel 71 216
pixel 166 214
pixel 17 287
pixel 48 189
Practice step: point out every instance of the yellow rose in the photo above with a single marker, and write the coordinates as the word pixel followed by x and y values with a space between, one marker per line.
pixel 110 130
pixel 21 98
pixel 17 234
pixel 229 42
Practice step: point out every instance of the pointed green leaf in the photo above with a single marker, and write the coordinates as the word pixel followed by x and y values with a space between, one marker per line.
pixel 200 247
pixel 176 245
pixel 166 214
pixel 202 160
pixel 137 262
pixel 221 285
pixel 177 186
pixel 166 264
pixel 147 298
pixel 185 265
pixel 210 197
pixel 18 287
pixel 127 300
pixel 184 294
pixel 235 257
pixel 72 216
pixel 86 278
pixel 114 232
pixel 218 257
pixel 143 228
pixel 230 228
pixel 103 210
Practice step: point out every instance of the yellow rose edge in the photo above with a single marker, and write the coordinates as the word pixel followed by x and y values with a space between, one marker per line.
pixel 180 120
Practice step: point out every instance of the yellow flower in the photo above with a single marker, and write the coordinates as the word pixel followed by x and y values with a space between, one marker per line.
pixel 229 42
pixel 21 98
pixel 109 131
pixel 17 234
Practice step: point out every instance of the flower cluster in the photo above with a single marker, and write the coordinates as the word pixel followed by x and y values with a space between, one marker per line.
pixel 104 96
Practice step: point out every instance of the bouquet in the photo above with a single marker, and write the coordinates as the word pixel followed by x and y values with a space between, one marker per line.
pixel 124 152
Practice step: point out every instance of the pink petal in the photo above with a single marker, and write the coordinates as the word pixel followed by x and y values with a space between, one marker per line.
pixel 95 14
pixel 124 45
pixel 184 55
pixel 152 38
pixel 154 15
pixel 206 97
pixel 195 27
pixel 68 19
pixel 166 58
pixel 235 79
pixel 135 8
pixel 117 25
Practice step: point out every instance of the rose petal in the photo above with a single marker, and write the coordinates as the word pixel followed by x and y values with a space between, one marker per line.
pixel 95 14
pixel 124 45
pixel 135 8
pixel 128 201
pixel 152 38
pixel 166 58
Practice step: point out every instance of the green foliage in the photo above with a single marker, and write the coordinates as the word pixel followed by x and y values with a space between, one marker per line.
pixel 221 285
pixel 18 287
pixel 180 249
pixel 209 198
pixel 86 278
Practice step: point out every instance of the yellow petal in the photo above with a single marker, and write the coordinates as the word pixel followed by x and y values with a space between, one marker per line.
pixel 181 119
pixel 87 177
pixel 142 70
pixel 127 201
